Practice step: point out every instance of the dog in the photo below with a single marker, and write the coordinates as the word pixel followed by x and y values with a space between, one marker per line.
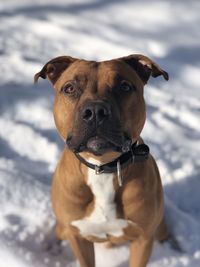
pixel 106 186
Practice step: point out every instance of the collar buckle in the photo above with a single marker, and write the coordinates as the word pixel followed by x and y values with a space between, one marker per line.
pixel 98 170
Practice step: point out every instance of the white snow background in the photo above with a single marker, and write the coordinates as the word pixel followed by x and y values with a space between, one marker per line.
pixel 32 32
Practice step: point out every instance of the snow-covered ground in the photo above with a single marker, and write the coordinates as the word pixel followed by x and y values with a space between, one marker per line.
pixel 33 32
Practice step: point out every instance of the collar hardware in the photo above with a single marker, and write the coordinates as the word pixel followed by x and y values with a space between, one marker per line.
pixel 137 153
pixel 98 169
pixel 119 173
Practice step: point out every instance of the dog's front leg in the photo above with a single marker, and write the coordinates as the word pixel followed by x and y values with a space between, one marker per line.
pixel 83 250
pixel 140 251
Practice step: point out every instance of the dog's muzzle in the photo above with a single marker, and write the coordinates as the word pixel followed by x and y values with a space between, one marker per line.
pixel 98 130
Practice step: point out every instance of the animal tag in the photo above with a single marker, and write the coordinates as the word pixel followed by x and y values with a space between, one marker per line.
pixel 119 173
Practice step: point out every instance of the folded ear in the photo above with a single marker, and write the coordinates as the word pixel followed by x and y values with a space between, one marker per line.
pixel 145 67
pixel 54 68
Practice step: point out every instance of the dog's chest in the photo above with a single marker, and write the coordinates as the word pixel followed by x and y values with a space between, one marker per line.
pixel 103 220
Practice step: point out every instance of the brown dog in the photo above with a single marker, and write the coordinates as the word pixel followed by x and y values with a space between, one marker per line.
pixel 106 186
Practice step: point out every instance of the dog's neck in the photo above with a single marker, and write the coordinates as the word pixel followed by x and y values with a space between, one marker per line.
pixel 137 153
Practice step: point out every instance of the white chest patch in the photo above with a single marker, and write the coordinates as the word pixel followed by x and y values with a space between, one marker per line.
pixel 102 221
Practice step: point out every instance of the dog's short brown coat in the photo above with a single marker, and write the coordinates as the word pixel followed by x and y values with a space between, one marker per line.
pixel 140 199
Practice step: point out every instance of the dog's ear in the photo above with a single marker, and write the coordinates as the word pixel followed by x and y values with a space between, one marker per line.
pixel 54 68
pixel 145 67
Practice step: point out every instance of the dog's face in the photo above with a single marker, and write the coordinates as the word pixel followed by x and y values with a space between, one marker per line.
pixel 99 106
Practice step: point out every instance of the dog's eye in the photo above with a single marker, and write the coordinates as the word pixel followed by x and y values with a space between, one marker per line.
pixel 126 86
pixel 68 89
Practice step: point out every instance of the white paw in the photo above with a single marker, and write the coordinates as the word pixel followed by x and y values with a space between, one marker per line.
pixel 101 230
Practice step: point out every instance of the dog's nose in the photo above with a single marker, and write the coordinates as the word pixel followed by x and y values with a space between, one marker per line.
pixel 96 111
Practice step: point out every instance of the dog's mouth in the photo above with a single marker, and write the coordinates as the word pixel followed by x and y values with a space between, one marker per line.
pixel 98 145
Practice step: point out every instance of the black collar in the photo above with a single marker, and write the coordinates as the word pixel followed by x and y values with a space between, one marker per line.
pixel 137 153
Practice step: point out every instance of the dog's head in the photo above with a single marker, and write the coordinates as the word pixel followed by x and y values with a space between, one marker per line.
pixel 99 106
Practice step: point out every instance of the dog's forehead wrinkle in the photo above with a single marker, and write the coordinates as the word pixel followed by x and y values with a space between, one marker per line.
pixel 80 77
pixel 96 77
pixel 112 72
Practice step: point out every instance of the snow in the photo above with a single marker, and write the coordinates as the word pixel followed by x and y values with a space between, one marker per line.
pixel 34 32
